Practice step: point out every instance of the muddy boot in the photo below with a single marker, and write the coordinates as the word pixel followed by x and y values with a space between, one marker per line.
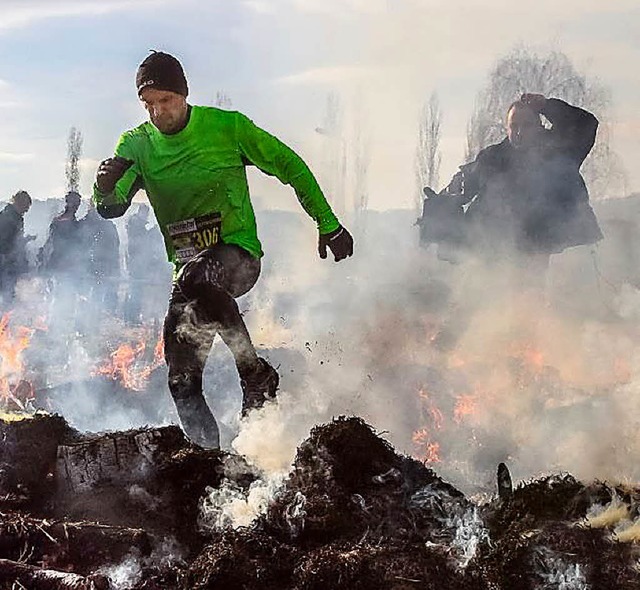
pixel 258 386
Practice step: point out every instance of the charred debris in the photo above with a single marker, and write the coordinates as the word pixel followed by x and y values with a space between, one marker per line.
pixel 123 510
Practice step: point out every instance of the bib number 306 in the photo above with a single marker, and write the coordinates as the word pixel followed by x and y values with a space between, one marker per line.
pixel 205 238
pixel 191 236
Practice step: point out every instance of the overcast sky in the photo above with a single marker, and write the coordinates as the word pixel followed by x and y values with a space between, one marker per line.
pixel 72 63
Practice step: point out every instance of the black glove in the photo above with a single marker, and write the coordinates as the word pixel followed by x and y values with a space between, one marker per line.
pixel 109 172
pixel 339 241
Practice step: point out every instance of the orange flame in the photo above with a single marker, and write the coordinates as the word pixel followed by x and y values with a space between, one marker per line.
pixel 427 449
pixel 158 351
pixel 127 364
pixel 11 365
pixel 466 405
pixel 514 362
pixel 437 417
pixel 533 357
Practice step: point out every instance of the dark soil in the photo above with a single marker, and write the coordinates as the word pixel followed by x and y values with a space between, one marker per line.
pixel 353 514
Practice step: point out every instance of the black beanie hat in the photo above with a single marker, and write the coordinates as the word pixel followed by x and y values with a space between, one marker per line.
pixel 162 72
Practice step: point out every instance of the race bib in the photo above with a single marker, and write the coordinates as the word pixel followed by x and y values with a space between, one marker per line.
pixel 191 236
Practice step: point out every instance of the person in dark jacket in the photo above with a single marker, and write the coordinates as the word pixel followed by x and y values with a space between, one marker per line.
pixel 12 242
pixel 526 195
pixel 523 199
pixel 60 252
pixel 102 269
pixel 60 259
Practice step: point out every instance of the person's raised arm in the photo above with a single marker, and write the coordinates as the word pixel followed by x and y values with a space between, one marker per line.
pixel 573 129
pixel 274 158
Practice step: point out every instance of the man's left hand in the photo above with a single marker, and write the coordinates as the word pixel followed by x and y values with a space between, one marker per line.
pixel 339 242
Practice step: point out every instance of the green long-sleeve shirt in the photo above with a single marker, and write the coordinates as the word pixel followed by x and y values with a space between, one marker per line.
pixel 201 170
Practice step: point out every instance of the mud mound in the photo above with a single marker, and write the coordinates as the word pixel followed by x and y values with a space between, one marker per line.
pixel 80 547
pixel 246 560
pixel 561 556
pixel 251 560
pixel 347 482
pixel 370 567
pixel 555 497
pixel 123 502
pixel 552 498
pixel 28 457
pixel 353 514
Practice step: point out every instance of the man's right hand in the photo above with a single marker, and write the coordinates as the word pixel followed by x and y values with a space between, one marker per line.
pixel 110 171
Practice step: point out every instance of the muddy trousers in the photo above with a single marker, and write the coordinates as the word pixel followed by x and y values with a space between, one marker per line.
pixel 202 305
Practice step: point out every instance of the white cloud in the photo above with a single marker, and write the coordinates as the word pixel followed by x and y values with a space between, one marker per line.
pixel 11 98
pixel 6 100
pixel 548 8
pixel 435 8
pixel 398 51
pixel 12 158
pixel 15 14
pixel 394 52
pixel 341 7
pixel 260 6
pixel 328 75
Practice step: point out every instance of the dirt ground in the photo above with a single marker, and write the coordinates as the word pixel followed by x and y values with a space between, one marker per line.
pixel 121 511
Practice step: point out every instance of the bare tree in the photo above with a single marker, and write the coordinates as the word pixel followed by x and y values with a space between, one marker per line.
pixel 552 74
pixel 428 154
pixel 74 153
